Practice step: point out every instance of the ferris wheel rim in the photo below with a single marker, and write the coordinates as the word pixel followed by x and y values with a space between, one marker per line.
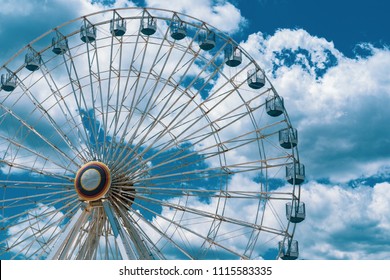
pixel 216 218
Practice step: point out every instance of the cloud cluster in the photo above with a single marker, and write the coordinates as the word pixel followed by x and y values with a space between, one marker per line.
pixel 337 103
pixel 220 14
pixel 345 223
pixel 23 21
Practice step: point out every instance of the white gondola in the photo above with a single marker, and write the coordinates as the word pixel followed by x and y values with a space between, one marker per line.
pixel 288 138
pixel 33 61
pixel 288 249
pixel 295 173
pixel 274 106
pixel 118 27
pixel 148 25
pixel 233 55
pixel 8 82
pixel 295 211
pixel 256 78
pixel 178 30
pixel 59 45
pixel 206 40
pixel 88 33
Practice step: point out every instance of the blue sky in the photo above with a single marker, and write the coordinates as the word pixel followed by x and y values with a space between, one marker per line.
pixel 346 23
pixel 330 60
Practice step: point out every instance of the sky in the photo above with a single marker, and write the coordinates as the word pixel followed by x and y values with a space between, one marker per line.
pixel 330 60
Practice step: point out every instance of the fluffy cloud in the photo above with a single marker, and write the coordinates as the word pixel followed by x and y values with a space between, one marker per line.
pixel 337 103
pixel 345 223
pixel 221 14
pixel 24 7
pixel 23 21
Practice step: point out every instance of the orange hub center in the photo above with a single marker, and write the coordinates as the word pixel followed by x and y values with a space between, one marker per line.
pixel 93 180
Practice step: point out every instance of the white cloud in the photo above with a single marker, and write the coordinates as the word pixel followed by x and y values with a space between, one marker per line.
pixel 265 48
pixel 220 14
pixel 19 8
pixel 337 103
pixel 345 223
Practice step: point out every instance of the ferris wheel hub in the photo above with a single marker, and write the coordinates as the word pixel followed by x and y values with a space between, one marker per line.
pixel 93 180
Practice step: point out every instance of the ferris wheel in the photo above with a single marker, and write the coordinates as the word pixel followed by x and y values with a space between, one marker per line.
pixel 142 133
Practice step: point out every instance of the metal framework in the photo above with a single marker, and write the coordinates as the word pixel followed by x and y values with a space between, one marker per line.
pixel 144 134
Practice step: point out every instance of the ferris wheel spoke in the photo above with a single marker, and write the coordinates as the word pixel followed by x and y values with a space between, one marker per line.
pixel 20 184
pixel 143 89
pixel 79 98
pixel 87 243
pixel 249 228
pixel 32 169
pixel 95 81
pixel 105 102
pixel 208 193
pixel 113 91
pixel 56 92
pixel 197 174
pixel 210 215
pixel 31 129
pixel 148 128
pixel 26 247
pixel 276 215
pixel 162 234
pixel 91 241
pixel 164 86
pixel 32 152
pixel 45 113
pixel 26 217
pixel 165 235
pixel 129 248
pixel 46 201
pixel 18 218
pixel 13 202
pixel 183 130
pixel 170 107
pixel 155 252
pixel 65 245
pixel 187 229
pixel 208 152
pixel 139 239
pixel 127 83
pixel 137 83
pixel 43 229
pixel 73 247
